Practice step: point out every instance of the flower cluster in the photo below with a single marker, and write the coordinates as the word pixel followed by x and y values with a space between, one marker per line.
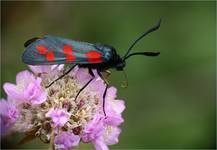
pixel 54 115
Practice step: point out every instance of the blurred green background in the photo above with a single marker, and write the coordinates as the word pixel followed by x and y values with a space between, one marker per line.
pixel 170 101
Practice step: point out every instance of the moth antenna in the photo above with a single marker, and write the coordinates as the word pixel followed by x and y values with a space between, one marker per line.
pixel 124 83
pixel 143 53
pixel 157 26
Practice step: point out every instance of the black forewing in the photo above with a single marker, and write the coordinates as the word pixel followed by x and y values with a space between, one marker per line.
pixel 55 45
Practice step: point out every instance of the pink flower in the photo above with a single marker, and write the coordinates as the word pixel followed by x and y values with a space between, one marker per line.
pixel 58 116
pixel 66 140
pixel 9 114
pixel 73 118
pixel 27 89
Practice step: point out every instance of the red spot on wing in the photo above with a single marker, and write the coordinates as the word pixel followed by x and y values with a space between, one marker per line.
pixel 44 51
pixel 70 58
pixel 68 53
pixel 50 56
pixel 41 49
pixel 67 49
pixel 94 56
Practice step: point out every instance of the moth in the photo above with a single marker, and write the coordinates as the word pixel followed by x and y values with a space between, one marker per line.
pixel 50 50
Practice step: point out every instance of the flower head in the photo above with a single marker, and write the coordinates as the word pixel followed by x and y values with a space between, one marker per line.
pixel 58 112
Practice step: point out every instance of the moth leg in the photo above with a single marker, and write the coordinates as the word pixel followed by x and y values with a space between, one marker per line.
pixel 93 76
pixel 105 91
pixel 61 76
pixel 104 94
pixel 105 75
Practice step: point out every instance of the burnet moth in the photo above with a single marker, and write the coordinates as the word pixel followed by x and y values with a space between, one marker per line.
pixel 51 50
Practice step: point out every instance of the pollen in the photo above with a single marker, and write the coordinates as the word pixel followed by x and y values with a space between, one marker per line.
pixel 67 91
pixel 62 98
pixel 109 129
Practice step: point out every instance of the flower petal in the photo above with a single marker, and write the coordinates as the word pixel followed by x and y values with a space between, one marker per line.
pixel 8 115
pixel 94 129
pixel 46 68
pixel 58 116
pixel 111 93
pixel 41 69
pixel 117 105
pixel 111 135
pixel 57 67
pixel 100 144
pixel 12 91
pixel 113 119
pixel 24 77
pixel 39 99
pixel 33 92
pixel 66 140
pixel 82 75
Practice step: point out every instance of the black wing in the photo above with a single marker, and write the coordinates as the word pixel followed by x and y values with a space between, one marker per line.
pixel 56 50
